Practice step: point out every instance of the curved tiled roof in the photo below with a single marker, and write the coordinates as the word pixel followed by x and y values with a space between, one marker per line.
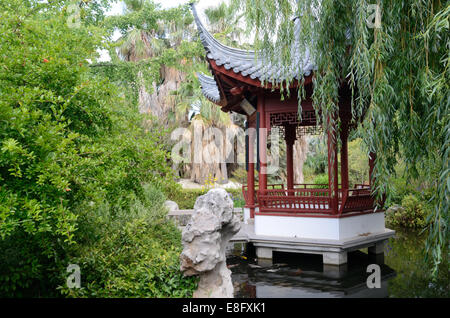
pixel 209 87
pixel 248 64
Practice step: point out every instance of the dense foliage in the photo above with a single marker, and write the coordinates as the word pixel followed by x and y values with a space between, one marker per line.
pixel 411 214
pixel 399 74
pixel 316 165
pixel 131 252
pixel 83 175
pixel 74 156
pixel 152 39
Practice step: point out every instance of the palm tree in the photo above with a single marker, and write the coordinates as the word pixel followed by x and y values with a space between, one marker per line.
pixel 176 100
pixel 147 32
pixel 141 41
pixel 200 114
pixel 224 24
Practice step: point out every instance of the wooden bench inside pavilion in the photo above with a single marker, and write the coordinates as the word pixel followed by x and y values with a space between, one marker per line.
pixel 329 219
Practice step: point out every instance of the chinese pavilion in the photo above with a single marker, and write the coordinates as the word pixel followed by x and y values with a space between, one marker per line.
pixel 329 219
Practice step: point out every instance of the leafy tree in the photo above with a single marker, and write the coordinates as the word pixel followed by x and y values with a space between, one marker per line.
pixel 68 140
pixel 224 23
pixel 399 74
pixel 147 29
pixel 318 158
pixel 154 42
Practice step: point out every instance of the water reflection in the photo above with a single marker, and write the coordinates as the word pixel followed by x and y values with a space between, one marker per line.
pixel 299 275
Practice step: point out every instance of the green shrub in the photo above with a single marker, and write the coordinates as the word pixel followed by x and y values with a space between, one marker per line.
pixel 238 199
pixel 401 189
pixel 322 181
pixel 317 160
pixel 358 163
pixel 412 213
pixel 130 253
pixel 67 140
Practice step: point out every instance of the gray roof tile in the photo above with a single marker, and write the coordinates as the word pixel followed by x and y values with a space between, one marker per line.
pixel 209 87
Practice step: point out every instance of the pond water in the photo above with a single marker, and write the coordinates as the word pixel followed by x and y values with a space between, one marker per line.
pixel 403 273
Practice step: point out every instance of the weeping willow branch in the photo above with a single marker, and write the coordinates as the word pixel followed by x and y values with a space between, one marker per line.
pixel 399 76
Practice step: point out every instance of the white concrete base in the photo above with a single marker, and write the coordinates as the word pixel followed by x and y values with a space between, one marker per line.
pixel 330 258
pixel 247 214
pixel 265 262
pixel 333 271
pixel 319 227
pixel 334 252
pixel 264 252
pixel 378 248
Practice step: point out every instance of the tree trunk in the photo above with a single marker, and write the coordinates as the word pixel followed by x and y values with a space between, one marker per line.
pixel 160 102
pixel 300 155
pixel 207 167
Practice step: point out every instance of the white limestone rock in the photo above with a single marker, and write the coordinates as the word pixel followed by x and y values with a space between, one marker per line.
pixel 205 239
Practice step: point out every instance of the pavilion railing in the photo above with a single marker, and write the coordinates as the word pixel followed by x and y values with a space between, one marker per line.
pixel 356 200
pixel 269 186
pixel 310 186
pixel 296 200
pixel 311 198
pixel 317 186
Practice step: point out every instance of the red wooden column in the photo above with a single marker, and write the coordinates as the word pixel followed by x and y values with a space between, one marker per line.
pixel 333 167
pixel 262 143
pixel 344 155
pixel 251 168
pixel 290 136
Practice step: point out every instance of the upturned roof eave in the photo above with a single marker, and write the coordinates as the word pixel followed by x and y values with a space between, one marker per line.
pixel 246 62
pixel 211 44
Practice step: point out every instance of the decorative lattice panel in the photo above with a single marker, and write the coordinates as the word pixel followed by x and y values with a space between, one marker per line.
pixel 309 130
pixel 291 118
pixel 308 125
